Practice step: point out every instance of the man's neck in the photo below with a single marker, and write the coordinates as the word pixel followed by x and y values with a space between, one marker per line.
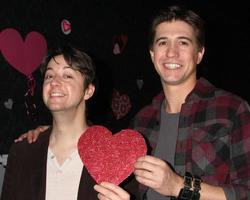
pixel 175 96
pixel 68 125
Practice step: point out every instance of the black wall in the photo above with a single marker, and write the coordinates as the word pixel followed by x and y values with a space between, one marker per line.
pixel 94 24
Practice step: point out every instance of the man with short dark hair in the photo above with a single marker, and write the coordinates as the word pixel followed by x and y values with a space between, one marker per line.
pixel 199 134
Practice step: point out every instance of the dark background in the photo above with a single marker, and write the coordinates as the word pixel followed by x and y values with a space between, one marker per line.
pixel 94 24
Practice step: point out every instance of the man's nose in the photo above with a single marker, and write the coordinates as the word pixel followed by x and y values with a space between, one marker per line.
pixel 172 50
pixel 56 80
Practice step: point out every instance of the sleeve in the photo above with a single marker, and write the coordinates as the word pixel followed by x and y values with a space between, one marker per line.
pixel 240 156
pixel 132 187
pixel 8 189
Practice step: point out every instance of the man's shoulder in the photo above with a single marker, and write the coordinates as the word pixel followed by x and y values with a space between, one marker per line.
pixel 228 96
pixel 151 109
pixel 149 115
pixel 24 145
pixel 155 104
pixel 209 92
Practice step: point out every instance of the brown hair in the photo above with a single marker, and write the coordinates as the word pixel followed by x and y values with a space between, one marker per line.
pixel 174 13
pixel 76 59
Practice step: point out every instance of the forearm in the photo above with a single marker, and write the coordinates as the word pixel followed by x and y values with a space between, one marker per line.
pixel 209 192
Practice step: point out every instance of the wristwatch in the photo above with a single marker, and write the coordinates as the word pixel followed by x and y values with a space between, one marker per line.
pixel 196 187
pixel 186 193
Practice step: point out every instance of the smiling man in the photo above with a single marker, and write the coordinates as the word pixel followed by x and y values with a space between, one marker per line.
pixel 199 134
pixel 51 168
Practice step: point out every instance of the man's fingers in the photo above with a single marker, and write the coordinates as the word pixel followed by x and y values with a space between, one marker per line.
pixel 32 135
pixel 43 128
pixel 144 174
pixel 150 159
pixel 147 164
pixel 144 181
pixel 21 137
pixel 111 191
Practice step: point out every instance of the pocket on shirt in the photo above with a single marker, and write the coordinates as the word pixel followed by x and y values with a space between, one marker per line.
pixel 210 151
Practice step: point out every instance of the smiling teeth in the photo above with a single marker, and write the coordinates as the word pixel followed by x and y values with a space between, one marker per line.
pixel 172 66
pixel 57 95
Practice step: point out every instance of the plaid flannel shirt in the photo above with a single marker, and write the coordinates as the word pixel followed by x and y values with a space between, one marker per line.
pixel 213 137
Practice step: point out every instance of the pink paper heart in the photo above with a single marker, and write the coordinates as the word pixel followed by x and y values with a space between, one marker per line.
pixel 25 56
pixel 66 26
pixel 121 41
pixel 110 157
pixel 116 49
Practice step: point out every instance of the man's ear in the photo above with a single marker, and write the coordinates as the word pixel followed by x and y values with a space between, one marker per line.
pixel 89 91
pixel 151 55
pixel 200 55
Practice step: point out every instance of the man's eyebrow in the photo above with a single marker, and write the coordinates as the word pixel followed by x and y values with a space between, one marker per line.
pixel 180 37
pixel 185 38
pixel 67 67
pixel 48 68
pixel 160 38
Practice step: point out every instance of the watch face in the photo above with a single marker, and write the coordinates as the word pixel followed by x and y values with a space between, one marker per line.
pixel 185 194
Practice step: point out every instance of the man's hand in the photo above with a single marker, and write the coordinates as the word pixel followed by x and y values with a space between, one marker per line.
pixel 32 135
pixel 110 191
pixel 156 174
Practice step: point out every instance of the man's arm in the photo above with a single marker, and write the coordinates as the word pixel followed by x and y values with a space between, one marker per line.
pixel 156 174
pixel 32 134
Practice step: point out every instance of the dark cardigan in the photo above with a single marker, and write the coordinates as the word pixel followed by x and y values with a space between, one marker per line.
pixel 25 175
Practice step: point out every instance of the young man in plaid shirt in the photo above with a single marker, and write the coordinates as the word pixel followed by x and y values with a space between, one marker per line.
pixel 199 134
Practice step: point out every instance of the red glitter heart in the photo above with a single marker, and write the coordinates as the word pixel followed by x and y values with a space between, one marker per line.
pixel 110 157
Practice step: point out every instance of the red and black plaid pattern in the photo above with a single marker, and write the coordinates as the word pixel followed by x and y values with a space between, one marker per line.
pixel 213 138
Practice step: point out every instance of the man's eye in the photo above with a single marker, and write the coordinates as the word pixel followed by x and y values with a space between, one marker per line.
pixel 162 43
pixel 68 76
pixel 183 43
pixel 48 77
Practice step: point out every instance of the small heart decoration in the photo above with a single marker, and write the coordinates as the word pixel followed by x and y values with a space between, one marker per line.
pixel 120 105
pixel 110 157
pixel 116 49
pixel 8 104
pixel 139 83
pixel 119 41
pixel 66 26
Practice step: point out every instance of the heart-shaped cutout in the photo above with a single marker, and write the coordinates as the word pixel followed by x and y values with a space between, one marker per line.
pixel 110 157
pixel 66 26
pixel 8 104
pixel 120 105
pixel 139 83
pixel 24 55
pixel 120 41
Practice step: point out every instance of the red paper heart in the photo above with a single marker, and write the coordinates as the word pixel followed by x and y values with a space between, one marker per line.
pixel 25 56
pixel 110 157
